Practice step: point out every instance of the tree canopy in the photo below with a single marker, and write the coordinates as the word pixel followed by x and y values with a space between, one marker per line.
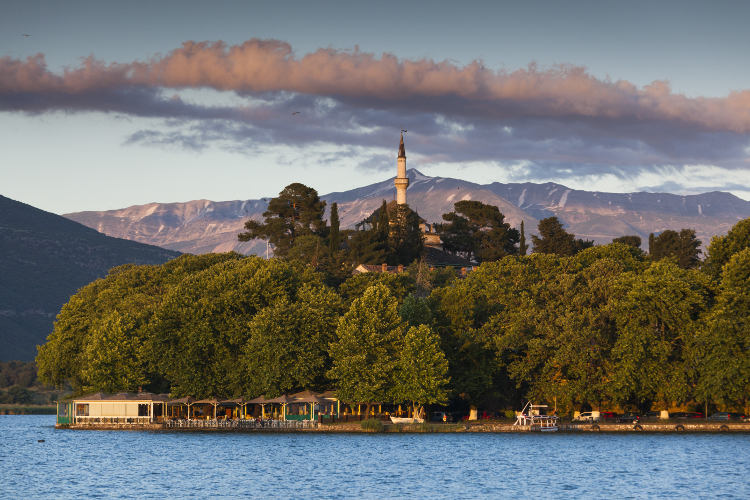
pixel 555 240
pixel 478 232
pixel 684 247
pixel 297 211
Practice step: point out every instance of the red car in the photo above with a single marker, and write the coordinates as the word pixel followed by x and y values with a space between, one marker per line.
pixel 607 415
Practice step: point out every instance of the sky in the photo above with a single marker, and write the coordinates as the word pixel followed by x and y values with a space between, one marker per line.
pixel 106 105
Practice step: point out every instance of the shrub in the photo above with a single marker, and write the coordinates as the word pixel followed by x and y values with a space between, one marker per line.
pixel 372 425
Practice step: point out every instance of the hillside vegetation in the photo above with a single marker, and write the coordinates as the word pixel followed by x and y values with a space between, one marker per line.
pixel 46 259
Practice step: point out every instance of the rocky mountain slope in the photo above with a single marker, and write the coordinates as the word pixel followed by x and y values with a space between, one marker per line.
pixel 45 259
pixel 207 226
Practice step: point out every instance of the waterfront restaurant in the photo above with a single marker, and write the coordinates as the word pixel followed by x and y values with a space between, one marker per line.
pixel 146 408
pixel 124 407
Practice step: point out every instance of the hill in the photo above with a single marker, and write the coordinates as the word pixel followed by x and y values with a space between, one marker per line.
pixel 45 259
pixel 207 226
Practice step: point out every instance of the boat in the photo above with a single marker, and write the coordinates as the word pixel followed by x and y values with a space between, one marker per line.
pixel 533 418
pixel 407 420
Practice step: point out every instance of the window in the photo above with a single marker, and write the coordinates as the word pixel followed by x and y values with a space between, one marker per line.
pixel 82 410
pixel 143 410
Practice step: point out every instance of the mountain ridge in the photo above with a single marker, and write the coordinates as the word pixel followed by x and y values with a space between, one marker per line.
pixel 46 258
pixel 200 226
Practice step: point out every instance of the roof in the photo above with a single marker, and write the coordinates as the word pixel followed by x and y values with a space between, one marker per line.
pixel 259 400
pixel 281 399
pixel 187 400
pixel 122 396
pixel 308 397
pixel 401 148
pixel 206 402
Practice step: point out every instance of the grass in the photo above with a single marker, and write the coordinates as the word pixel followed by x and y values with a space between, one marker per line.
pixel 372 425
pixel 13 409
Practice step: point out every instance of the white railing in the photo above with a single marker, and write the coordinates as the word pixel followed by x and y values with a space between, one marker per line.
pixel 240 424
pixel 86 420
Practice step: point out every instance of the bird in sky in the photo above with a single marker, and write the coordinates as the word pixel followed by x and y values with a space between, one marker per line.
pixel 26 35
pixel 295 112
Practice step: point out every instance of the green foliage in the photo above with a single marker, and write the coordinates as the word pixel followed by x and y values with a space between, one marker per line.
pixel 297 211
pixel 422 369
pixel 400 285
pixel 405 242
pixel 605 326
pixel 20 373
pixel 656 319
pixel 478 231
pixel 391 235
pixel 633 241
pixel 722 350
pixel 288 343
pixel 415 311
pixel 365 353
pixel 522 246
pixel 722 248
pixel 682 246
pixel 555 240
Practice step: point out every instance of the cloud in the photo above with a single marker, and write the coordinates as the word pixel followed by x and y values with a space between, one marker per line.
pixel 560 119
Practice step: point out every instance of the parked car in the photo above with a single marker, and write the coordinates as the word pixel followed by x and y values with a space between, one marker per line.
pixel 586 416
pixel 686 415
pixel 628 418
pixel 725 415
pixel 607 415
pixel 651 415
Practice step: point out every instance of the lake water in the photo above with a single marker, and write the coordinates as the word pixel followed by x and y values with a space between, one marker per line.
pixel 127 464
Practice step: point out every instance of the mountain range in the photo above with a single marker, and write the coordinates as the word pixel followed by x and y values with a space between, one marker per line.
pixel 46 258
pixel 202 226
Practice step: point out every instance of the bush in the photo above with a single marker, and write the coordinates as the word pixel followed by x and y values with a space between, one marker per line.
pixel 372 425
pixel 510 414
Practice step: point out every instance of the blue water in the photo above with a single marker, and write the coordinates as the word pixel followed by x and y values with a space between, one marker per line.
pixel 127 464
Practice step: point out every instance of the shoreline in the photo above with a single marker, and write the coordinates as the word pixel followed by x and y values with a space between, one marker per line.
pixel 440 428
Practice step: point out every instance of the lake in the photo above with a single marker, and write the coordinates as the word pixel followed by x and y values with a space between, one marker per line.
pixel 127 464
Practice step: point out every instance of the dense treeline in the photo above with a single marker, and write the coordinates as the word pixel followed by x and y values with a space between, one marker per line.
pixel 596 326
pixel 581 324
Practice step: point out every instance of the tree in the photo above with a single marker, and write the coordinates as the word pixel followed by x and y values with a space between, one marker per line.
pixel 478 231
pixel 633 241
pixel 366 351
pixel 405 242
pixel 287 348
pixel 554 239
pixel 334 237
pixel 657 319
pixel 722 248
pixel 415 311
pixel 522 246
pixel 422 369
pixel 682 246
pixel 297 211
pixel 722 352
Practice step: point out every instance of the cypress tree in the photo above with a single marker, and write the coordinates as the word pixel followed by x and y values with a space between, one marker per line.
pixel 334 238
pixel 522 246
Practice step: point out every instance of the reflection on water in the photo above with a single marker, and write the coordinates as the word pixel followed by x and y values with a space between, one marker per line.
pixel 160 464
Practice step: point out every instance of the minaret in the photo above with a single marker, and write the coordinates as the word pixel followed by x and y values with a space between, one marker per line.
pixel 402 181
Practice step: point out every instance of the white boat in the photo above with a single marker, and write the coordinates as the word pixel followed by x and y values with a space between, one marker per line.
pixel 407 420
pixel 531 416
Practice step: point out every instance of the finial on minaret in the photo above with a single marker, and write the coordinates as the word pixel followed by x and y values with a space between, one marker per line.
pixel 401 181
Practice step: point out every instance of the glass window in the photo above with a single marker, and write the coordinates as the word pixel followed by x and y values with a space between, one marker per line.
pixel 82 410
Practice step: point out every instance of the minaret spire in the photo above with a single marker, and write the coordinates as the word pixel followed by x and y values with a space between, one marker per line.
pixel 402 181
